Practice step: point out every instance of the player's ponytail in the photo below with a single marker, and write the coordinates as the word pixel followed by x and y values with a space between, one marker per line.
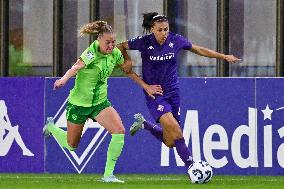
pixel 95 28
pixel 147 21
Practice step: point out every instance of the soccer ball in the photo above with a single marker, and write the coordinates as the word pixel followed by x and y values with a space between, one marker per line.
pixel 200 172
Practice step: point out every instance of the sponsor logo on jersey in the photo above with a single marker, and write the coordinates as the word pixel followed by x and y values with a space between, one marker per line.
pixel 151 48
pixel 163 57
pixel 160 108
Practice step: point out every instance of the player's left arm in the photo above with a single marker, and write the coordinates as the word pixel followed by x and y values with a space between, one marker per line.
pixel 126 66
pixel 123 47
pixel 151 90
pixel 202 51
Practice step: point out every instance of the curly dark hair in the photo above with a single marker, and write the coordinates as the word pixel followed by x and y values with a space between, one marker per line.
pixel 150 18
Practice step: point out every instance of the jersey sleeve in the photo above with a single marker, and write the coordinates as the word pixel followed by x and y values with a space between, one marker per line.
pixel 184 42
pixel 136 43
pixel 88 55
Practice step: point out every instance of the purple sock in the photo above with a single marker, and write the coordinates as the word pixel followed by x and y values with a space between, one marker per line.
pixel 154 129
pixel 183 151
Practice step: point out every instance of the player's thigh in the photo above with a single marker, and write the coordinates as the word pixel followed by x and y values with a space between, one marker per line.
pixel 171 127
pixel 74 132
pixel 76 117
pixel 110 120
pixel 158 107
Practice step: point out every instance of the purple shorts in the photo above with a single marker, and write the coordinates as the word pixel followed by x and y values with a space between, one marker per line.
pixel 161 105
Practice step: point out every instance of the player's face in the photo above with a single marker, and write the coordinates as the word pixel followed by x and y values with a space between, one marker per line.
pixel 161 31
pixel 107 42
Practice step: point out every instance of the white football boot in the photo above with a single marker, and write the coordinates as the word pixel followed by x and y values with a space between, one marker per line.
pixel 138 124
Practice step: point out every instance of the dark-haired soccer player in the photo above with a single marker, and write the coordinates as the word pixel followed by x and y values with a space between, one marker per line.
pixel 159 51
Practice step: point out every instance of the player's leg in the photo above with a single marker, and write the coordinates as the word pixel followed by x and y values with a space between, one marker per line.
pixel 75 123
pixel 173 133
pixel 111 121
pixel 172 136
pixel 67 139
pixel 74 133
pixel 142 123
pixel 157 108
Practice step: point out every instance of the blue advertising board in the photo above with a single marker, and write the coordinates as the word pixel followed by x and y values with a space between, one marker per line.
pixel 223 122
pixel 21 121
pixel 212 110
pixel 270 121
pixel 235 124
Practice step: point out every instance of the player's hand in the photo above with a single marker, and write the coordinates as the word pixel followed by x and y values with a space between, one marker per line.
pixel 231 59
pixel 154 89
pixel 58 83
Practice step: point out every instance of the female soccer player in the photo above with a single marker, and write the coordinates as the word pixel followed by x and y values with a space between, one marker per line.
pixel 88 98
pixel 159 50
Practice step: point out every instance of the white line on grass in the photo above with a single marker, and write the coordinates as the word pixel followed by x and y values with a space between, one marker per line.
pixel 132 178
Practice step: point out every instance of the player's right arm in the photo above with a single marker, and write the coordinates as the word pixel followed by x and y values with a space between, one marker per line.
pixel 127 67
pixel 150 89
pixel 123 47
pixel 70 73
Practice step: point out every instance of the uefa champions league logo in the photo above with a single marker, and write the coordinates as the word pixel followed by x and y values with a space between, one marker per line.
pixel 79 161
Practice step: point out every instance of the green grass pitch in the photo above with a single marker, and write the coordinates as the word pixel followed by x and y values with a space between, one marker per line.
pixel 90 181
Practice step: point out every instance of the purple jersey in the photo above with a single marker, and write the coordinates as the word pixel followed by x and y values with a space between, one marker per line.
pixel 159 62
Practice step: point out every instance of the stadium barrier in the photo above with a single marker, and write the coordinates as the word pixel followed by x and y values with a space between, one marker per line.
pixel 235 124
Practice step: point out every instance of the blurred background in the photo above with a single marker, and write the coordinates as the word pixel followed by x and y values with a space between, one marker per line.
pixel 40 37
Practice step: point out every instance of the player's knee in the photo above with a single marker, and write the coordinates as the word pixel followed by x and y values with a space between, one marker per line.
pixel 176 133
pixel 170 138
pixel 169 143
pixel 118 130
pixel 72 144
